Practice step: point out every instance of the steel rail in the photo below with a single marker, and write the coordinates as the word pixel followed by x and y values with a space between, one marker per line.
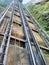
pixel 4 13
pixel 35 42
pixel 8 42
pixel 6 51
pixel 27 38
pixel 6 33
pixel 42 33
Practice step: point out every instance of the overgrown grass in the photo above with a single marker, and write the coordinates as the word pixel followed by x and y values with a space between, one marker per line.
pixel 41 14
pixel 1 9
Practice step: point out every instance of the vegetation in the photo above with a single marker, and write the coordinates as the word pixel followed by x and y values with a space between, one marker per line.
pixel 1 9
pixel 41 14
pixel 3 4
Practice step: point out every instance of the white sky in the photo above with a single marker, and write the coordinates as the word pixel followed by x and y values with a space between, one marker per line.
pixel 25 1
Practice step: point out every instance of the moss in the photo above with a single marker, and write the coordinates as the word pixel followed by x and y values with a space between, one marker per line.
pixel 1 9
pixel 1 37
pixel 47 32
pixel 41 14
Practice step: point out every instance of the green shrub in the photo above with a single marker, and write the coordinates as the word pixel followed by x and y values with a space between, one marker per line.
pixel 41 14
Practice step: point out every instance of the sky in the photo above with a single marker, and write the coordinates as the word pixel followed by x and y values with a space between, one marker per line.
pixel 25 1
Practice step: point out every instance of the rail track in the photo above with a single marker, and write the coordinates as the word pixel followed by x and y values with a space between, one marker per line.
pixel 22 40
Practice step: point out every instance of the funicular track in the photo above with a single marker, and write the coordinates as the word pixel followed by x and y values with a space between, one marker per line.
pixel 6 40
pixel 20 44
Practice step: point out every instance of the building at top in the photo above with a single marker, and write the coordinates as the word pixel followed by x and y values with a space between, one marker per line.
pixel 20 1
